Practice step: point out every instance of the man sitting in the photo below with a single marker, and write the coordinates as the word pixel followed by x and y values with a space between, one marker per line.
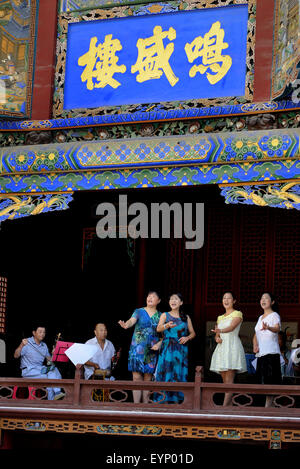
pixel 103 357
pixel 33 352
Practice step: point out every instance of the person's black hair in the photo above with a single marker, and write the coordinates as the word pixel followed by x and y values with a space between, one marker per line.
pixel 38 324
pixel 100 322
pixel 231 293
pixel 155 292
pixel 274 306
pixel 182 314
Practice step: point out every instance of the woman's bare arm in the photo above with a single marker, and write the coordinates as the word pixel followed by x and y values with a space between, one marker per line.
pixel 127 324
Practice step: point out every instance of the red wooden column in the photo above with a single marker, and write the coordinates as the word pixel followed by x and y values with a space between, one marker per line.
pixel 44 60
pixel 265 10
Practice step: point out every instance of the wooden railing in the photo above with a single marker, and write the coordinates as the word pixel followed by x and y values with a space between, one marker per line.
pixel 199 396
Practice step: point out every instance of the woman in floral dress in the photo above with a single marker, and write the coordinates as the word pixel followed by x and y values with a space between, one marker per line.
pixel 145 343
pixel 172 363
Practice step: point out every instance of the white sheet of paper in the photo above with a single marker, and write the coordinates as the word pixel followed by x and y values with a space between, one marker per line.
pixel 253 363
pixel 81 353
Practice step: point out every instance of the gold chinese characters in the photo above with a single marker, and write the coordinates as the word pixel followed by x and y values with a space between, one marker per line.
pixel 100 61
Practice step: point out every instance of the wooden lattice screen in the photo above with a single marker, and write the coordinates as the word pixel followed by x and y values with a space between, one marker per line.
pixel 179 267
pixel 219 254
pixel 254 247
pixel 248 250
pixel 251 250
pixel 286 277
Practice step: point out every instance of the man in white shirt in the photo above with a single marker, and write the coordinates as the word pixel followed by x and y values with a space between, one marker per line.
pixel 102 358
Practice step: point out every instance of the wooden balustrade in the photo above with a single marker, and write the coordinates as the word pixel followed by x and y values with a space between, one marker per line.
pixel 199 396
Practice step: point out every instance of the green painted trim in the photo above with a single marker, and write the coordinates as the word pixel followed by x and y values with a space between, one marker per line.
pixel 157 152
pixel 242 173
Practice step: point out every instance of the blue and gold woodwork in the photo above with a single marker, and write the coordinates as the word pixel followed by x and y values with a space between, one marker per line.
pixel 211 149
pixel 275 441
pixel 277 195
pixel 147 177
pixel 67 6
pixel 17 32
pixel 244 159
pixel 150 114
pixel 286 49
pixel 14 207
pixel 225 158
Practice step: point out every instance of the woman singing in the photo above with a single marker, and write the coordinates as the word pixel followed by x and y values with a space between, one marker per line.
pixel 145 342
pixel 266 346
pixel 229 356
pixel 172 363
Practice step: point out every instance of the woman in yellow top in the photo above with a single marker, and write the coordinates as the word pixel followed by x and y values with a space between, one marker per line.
pixel 229 356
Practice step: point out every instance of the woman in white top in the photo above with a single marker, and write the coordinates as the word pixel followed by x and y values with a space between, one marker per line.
pixel 266 346
pixel 229 356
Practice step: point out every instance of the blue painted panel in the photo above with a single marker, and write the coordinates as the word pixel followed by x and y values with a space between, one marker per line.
pixel 117 67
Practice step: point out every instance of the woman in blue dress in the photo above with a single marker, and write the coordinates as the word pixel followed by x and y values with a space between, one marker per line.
pixel 145 343
pixel 172 363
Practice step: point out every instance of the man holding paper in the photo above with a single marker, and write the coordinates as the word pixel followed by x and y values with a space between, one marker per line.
pixel 103 354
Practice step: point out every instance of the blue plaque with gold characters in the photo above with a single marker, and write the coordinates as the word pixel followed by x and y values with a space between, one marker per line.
pixel 175 56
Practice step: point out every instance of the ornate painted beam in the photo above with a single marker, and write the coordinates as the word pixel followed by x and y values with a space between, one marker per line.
pixel 278 145
pixel 220 158
pixel 141 178
pixel 273 436
pixel 155 113
pixel 277 195
pixel 13 207
pixel 227 158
